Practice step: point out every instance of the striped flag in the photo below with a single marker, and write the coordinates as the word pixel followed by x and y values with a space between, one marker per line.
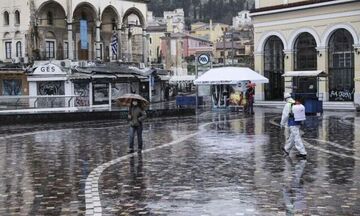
pixel 114 44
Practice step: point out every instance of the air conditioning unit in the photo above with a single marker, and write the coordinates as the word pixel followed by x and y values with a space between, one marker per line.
pixel 65 63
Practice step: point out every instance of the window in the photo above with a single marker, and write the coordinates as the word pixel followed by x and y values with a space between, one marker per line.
pixel 8 50
pixel 50 49
pixel 6 18
pixel 50 18
pixel 274 68
pixel 11 87
pixel 18 49
pixel 341 66
pixel 150 40
pixel 305 52
pixel 17 17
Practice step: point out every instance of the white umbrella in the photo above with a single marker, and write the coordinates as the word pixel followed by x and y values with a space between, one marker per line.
pixel 230 76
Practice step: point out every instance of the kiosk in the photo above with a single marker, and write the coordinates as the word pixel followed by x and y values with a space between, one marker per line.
pixel 228 85
pixel 305 88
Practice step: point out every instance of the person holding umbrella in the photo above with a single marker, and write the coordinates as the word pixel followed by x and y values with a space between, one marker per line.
pixel 136 116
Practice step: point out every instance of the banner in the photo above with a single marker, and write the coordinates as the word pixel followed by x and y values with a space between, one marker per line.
pixel 114 44
pixel 84 34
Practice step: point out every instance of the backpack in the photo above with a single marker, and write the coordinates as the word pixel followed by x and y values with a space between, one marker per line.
pixel 297 112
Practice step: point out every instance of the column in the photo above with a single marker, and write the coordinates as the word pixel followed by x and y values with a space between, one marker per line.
pixel 144 46
pixel 288 66
pixel 259 67
pixel 98 40
pixel 119 32
pixel 129 52
pixel 91 94
pixel 110 95
pixel 323 65
pixel 70 40
pixel 150 88
pixel 357 73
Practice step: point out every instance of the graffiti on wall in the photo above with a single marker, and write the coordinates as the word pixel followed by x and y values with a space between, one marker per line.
pixel 51 88
pixel 341 95
pixel 82 91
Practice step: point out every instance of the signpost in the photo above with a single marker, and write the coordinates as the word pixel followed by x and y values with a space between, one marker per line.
pixel 202 59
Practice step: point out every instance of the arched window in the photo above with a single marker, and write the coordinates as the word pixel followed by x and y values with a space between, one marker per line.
pixel 305 52
pixel 50 18
pixel 341 66
pixel 17 17
pixel 305 58
pixel 18 49
pixel 274 68
pixel 6 18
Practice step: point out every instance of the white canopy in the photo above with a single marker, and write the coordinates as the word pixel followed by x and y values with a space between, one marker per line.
pixel 313 73
pixel 182 79
pixel 229 75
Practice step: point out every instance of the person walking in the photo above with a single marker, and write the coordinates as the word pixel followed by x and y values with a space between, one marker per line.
pixel 249 94
pixel 293 114
pixel 136 117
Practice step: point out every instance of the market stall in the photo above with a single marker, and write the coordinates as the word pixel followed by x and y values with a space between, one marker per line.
pixel 228 85
pixel 305 88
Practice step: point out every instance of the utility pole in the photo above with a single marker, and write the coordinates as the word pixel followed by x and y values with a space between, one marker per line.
pixel 224 58
pixel 232 47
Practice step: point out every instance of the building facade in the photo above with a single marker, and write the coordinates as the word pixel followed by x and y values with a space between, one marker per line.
pixel 172 22
pixel 73 29
pixel 313 35
pixel 209 31
pixel 177 47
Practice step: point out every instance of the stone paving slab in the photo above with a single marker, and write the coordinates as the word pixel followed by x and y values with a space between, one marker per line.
pixel 231 166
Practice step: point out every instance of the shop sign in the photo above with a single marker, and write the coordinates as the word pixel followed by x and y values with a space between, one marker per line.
pixel 48 69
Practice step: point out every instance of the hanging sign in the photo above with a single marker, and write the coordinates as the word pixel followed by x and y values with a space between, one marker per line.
pixel 203 59
pixel 84 34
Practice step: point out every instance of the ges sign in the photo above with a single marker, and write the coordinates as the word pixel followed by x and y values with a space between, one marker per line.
pixel 48 69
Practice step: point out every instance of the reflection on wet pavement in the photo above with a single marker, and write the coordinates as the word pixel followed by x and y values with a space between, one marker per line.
pixel 232 165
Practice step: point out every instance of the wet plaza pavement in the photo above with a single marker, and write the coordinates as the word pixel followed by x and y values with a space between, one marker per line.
pixel 213 164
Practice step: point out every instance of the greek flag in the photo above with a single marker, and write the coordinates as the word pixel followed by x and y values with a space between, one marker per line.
pixel 114 44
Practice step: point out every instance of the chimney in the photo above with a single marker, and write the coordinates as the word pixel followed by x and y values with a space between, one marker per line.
pixel 169 24
pixel 211 37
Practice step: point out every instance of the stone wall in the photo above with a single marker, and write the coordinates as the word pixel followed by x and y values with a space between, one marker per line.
pixel 8 119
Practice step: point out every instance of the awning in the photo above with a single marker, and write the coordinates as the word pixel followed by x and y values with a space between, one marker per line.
pixel 164 77
pixel 182 79
pixel 229 76
pixel 314 73
pixel 103 76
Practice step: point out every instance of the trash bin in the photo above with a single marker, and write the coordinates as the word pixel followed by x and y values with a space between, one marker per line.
pixel 311 106
pixel 311 102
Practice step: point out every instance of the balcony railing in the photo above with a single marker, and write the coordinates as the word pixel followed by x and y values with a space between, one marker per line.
pixel 87 55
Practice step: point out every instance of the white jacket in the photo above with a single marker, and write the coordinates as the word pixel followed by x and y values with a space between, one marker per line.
pixel 286 111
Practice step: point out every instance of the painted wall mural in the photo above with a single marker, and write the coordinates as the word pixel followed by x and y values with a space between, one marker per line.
pixel 51 88
pixel 11 87
pixel 82 90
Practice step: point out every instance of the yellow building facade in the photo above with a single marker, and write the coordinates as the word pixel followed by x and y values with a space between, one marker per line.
pixel 210 31
pixel 308 36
